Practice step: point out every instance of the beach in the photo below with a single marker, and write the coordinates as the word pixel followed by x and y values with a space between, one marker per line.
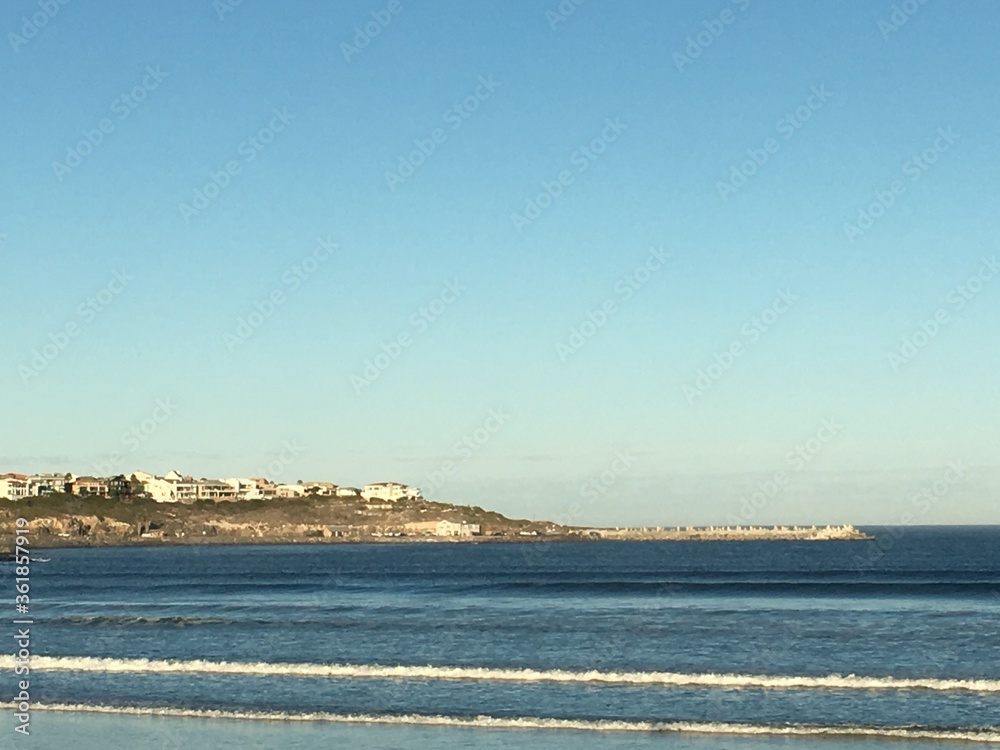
pixel 89 732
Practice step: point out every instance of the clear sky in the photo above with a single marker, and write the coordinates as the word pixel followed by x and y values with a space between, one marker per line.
pixel 605 262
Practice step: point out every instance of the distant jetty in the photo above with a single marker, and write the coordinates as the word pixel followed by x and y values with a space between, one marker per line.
pixel 729 533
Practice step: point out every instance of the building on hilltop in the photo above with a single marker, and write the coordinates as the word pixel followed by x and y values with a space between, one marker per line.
pixel 119 486
pixel 215 489
pixel 391 491
pixel 14 486
pixel 170 488
pixel 244 489
pixel 158 488
pixel 44 484
pixel 180 487
pixel 89 486
pixel 323 489
pixel 266 487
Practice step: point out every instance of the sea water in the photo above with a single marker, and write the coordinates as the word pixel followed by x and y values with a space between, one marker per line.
pixel 610 644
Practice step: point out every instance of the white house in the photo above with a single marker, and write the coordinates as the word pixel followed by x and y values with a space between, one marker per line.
pixel 289 490
pixel 185 488
pixel 347 492
pixel 391 491
pixel 171 488
pixel 153 486
pixel 245 489
pixel 14 486
pixel 157 488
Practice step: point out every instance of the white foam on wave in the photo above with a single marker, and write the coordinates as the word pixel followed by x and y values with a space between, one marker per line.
pixel 483 674
pixel 528 722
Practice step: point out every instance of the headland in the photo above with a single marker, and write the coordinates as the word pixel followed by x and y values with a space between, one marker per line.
pixel 66 520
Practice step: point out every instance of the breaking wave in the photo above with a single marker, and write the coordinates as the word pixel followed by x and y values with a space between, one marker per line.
pixel 485 674
pixel 967 734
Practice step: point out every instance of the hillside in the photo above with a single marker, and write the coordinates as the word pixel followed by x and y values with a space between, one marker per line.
pixel 60 520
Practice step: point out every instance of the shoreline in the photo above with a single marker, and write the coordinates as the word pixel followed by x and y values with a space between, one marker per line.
pixel 88 725
pixel 238 541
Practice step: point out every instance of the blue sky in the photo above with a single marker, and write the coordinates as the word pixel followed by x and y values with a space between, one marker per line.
pixel 860 212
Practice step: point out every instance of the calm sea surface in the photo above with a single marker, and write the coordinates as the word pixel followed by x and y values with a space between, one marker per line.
pixel 649 644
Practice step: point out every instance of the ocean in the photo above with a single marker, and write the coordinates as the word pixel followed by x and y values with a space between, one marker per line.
pixel 893 642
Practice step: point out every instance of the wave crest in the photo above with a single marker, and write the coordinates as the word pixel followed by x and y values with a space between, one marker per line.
pixel 486 674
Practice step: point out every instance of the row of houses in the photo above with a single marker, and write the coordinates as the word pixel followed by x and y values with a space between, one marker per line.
pixel 19 486
pixel 174 487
